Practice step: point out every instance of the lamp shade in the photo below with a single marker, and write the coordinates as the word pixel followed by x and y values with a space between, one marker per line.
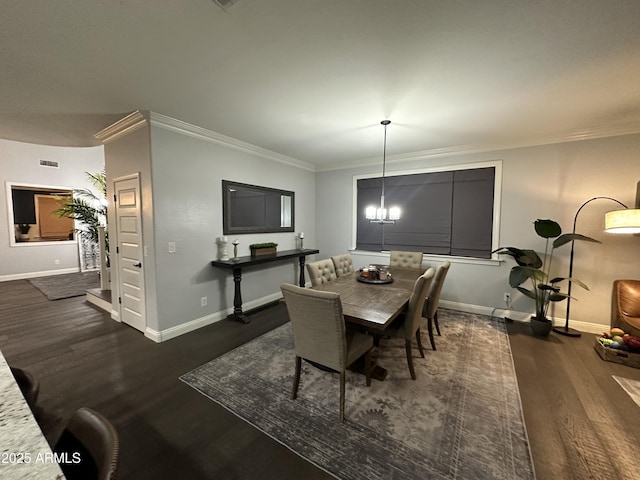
pixel 622 221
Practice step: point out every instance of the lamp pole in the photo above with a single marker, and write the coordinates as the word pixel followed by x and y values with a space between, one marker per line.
pixel 566 330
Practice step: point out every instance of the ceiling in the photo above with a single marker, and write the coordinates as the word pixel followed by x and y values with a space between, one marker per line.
pixel 312 79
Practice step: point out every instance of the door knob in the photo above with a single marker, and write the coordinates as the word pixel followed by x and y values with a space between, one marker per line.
pixel 138 265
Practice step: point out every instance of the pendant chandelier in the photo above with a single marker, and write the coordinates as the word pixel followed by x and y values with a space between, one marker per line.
pixel 380 214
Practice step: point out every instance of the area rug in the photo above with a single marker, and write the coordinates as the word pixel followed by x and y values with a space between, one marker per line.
pixel 461 418
pixel 55 287
pixel 632 387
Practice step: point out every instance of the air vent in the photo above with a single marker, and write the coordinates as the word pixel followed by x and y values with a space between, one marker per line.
pixel 49 163
pixel 224 3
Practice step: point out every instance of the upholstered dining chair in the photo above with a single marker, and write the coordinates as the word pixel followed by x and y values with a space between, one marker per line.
pixel 407 326
pixel 430 310
pixel 94 437
pixel 343 264
pixel 320 336
pixel 29 386
pixel 321 272
pixel 625 306
pixel 405 259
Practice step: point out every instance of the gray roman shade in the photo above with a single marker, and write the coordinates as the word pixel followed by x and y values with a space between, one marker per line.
pixel 444 213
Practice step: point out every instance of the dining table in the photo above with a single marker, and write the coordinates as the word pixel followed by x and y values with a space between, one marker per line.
pixel 373 306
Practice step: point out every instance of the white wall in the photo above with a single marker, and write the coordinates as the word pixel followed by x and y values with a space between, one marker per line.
pixel 538 182
pixel 19 163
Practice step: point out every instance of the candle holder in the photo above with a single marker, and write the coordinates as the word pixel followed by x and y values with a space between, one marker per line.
pixel 235 248
pixel 301 236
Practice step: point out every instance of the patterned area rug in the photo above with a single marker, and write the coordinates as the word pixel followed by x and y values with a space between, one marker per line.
pixel 461 418
pixel 55 287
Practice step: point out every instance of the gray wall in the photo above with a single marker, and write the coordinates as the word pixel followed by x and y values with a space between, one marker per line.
pixel 538 182
pixel 19 163
pixel 187 176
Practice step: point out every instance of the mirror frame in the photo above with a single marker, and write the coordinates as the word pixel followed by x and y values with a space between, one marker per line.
pixel 227 229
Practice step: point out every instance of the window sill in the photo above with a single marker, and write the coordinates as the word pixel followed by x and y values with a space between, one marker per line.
pixel 441 258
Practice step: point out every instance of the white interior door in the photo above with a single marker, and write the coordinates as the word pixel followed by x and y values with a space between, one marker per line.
pixel 130 252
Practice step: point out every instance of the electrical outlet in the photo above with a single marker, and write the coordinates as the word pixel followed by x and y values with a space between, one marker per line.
pixel 507 298
pixel 172 247
pixel 203 302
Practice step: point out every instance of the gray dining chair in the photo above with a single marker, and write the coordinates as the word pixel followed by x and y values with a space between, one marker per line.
pixel 343 264
pixel 320 335
pixel 321 272
pixel 95 438
pixel 405 259
pixel 407 325
pixel 430 311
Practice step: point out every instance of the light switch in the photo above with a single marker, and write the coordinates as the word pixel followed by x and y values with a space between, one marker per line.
pixel 172 247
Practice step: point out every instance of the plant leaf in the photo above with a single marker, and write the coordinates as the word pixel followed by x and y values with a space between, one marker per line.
pixel 526 292
pixel 547 228
pixel 567 237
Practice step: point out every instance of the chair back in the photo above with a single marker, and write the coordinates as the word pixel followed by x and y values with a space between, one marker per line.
pixel 91 435
pixel 413 316
pixel 318 325
pixel 343 264
pixel 405 259
pixel 29 386
pixel 433 297
pixel 321 272
pixel 625 306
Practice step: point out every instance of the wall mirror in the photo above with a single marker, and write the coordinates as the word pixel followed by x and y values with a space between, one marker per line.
pixel 255 209
pixel 31 214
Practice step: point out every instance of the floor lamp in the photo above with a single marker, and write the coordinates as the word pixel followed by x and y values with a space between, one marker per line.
pixel 616 221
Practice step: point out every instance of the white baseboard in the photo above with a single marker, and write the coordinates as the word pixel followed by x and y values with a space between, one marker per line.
pixel 585 327
pixel 44 273
pixel 172 332
pixel 98 302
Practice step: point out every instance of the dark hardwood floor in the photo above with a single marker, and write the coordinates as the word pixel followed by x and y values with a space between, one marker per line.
pixel 580 422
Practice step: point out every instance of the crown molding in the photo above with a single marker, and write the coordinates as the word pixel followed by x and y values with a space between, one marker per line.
pixel 168 123
pixel 122 127
pixel 616 130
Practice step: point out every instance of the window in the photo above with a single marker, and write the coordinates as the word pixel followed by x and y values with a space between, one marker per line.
pixel 443 213
pixel 31 214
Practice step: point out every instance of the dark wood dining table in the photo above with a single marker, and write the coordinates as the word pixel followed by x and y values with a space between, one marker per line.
pixel 374 306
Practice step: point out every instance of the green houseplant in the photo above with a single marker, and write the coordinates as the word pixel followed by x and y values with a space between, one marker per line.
pixel 537 271
pixel 89 208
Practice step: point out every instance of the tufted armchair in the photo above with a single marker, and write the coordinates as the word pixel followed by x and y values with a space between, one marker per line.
pixel 405 259
pixel 321 272
pixel 625 306
pixel 343 264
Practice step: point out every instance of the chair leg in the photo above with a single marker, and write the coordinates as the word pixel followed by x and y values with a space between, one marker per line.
pixel 430 329
pixel 435 319
pixel 342 381
pixel 367 366
pixel 419 342
pixel 296 378
pixel 407 347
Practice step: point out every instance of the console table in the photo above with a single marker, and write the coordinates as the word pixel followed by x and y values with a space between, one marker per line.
pixel 237 264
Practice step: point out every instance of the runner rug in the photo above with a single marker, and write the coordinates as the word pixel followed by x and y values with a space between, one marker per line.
pixel 461 418
pixel 56 287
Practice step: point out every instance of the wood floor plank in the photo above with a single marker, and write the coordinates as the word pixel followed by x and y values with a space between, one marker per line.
pixel 581 424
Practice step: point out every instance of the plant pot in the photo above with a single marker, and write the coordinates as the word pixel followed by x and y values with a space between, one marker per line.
pixel 541 327
pixel 259 252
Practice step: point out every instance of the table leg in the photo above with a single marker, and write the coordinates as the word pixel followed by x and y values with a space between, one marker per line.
pixel 302 280
pixel 237 298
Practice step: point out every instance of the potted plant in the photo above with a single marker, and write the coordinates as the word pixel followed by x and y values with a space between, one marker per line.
pixel 259 249
pixel 530 267
pixel 23 231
